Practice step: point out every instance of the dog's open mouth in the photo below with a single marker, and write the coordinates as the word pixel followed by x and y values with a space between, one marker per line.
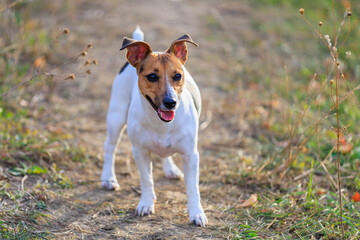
pixel 164 115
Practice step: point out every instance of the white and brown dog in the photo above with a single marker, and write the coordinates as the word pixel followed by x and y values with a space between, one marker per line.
pixel 160 103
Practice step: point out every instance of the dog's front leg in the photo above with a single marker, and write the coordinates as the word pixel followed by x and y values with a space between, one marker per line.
pixel 148 198
pixel 191 172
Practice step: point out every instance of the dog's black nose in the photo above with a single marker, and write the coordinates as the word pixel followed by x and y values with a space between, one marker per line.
pixel 169 103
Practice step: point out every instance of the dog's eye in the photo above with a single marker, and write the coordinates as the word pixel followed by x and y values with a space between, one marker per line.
pixel 152 77
pixel 177 77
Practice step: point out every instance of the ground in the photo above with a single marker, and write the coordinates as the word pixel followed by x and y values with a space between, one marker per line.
pixel 242 53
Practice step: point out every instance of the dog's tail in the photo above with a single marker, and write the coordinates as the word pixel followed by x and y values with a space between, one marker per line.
pixel 138 35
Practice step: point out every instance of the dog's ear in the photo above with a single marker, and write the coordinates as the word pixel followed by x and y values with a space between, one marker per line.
pixel 136 50
pixel 179 48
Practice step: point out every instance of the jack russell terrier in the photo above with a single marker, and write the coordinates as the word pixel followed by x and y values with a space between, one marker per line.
pixel 160 103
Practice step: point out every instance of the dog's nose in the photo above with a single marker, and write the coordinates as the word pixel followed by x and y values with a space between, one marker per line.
pixel 169 103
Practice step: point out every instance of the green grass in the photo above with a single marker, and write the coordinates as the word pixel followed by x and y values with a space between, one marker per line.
pixel 20 231
pixel 293 216
pixel 307 208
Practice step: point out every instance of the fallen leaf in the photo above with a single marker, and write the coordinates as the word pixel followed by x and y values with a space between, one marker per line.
pixel 249 202
pixel 356 197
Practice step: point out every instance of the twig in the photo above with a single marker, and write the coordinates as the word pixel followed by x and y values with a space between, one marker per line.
pixel 2 202
pixel 337 123
pixel 23 181
pixel 48 73
pixel 354 237
pixel 326 170
pixel 271 223
pixel 20 84
pixel 136 190
pixel 10 5
pixel 303 175
pixel 3 187
pixel 272 158
pixel 320 34
pixel 350 30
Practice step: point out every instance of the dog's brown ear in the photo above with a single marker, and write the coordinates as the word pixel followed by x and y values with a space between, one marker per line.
pixel 136 50
pixel 179 48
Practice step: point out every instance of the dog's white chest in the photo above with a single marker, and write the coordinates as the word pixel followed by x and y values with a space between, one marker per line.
pixel 163 145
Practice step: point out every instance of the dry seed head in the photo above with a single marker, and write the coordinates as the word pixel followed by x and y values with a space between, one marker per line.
pixel 349 14
pixel 88 71
pixel 301 11
pixel 320 24
pixel 83 53
pixel 89 45
pixel 95 62
pixel 344 129
pixel 87 62
pixel 42 197
pixel 71 76
pixel 342 76
pixel 66 31
pixel 331 81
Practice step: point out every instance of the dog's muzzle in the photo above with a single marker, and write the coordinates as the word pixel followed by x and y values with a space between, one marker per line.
pixel 164 115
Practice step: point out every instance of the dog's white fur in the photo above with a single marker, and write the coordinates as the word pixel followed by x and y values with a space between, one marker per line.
pixel 149 134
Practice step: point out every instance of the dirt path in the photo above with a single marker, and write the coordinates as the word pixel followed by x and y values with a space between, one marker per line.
pixel 89 212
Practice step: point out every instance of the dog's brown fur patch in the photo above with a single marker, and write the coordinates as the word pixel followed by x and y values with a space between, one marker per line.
pixel 165 66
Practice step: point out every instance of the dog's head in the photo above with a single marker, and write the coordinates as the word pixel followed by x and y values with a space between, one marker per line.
pixel 161 76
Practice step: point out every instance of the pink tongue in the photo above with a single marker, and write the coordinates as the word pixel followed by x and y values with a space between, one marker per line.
pixel 166 115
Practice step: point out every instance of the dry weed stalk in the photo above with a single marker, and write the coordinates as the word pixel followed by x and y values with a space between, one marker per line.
pixel 13 4
pixel 83 69
pixel 334 52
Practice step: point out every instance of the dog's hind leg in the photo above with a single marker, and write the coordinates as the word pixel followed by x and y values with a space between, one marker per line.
pixel 115 123
pixel 116 120
pixel 108 177
pixel 170 169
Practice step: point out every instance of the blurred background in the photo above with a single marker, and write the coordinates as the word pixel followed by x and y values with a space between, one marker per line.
pixel 267 126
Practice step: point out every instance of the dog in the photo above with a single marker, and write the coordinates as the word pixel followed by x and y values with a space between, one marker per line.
pixel 158 100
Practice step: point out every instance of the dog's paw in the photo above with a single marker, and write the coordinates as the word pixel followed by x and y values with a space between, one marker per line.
pixel 144 209
pixel 198 218
pixel 110 185
pixel 172 171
